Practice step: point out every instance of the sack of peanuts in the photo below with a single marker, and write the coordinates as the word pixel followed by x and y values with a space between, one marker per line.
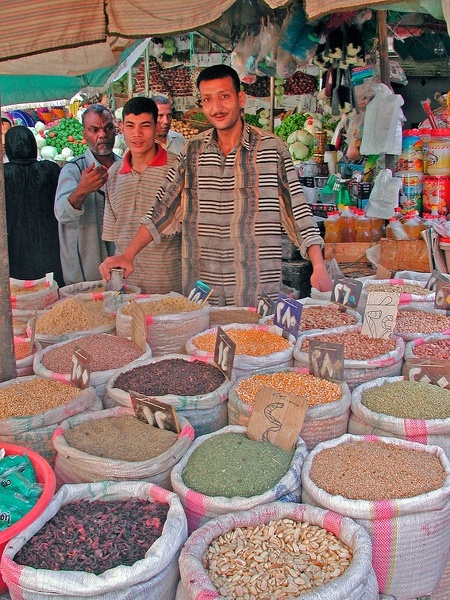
pixel 31 408
pixel 257 347
pixel 427 360
pixel 399 491
pixel 328 401
pixel 252 554
pixel 171 319
pixel 33 294
pixel 412 292
pixel 108 353
pixel 408 410
pixel 413 323
pixel 197 389
pixel 115 445
pixel 137 559
pixel 25 352
pixel 319 315
pixel 227 472
pixel 364 358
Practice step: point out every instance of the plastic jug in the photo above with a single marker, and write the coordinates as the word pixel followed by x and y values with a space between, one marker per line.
pixel 347 225
pixel 332 228
pixel 412 227
pixel 363 228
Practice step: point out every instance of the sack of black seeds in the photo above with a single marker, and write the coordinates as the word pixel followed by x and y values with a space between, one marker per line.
pixel 96 542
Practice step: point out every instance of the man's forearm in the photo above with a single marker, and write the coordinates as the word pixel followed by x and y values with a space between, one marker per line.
pixel 77 199
pixel 140 240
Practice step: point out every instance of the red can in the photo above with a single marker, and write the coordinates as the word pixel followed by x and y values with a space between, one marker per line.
pixel 436 192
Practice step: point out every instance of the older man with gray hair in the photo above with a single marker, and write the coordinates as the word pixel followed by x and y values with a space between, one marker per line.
pixel 170 140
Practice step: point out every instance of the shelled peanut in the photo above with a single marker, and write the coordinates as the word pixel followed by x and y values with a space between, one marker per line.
pixel 420 321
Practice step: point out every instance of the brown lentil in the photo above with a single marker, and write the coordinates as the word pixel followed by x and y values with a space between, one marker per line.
pixel 401 288
pixel 356 345
pixel 120 438
pixel 171 376
pixel 164 306
pixel 237 315
pixel 314 389
pixel 434 350
pixel 251 342
pixel 72 314
pixel 17 290
pixel 34 397
pixel 363 470
pixel 278 560
pixel 408 400
pixel 420 321
pixel 22 349
pixel 107 351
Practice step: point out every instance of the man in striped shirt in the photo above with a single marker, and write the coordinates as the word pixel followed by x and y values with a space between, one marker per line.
pixel 231 193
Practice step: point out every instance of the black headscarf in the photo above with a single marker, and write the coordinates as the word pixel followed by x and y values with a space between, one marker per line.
pixel 20 144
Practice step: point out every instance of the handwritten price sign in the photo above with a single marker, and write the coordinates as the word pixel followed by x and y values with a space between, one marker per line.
pixel 346 291
pixel 224 352
pixel 288 313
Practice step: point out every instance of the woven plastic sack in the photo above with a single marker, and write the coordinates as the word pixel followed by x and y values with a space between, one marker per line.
pixel 96 289
pixel 431 370
pixel 166 334
pixel 244 364
pixel 357 371
pixel 363 421
pixel 40 299
pixel 24 366
pixel 329 305
pixel 357 583
pixel 442 592
pixel 219 313
pixel 200 508
pixel 322 421
pixel 98 379
pixel 407 300
pixel 21 319
pixel 205 412
pixel 425 308
pixel 410 547
pixel 155 576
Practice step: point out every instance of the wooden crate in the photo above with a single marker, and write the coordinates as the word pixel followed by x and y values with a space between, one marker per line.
pixel 347 252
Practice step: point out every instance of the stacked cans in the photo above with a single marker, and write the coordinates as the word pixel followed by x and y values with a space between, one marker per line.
pixel 436 182
pixel 411 169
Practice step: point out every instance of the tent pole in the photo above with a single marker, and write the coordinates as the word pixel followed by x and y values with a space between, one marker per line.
pixel 272 104
pixel 389 159
pixel 147 71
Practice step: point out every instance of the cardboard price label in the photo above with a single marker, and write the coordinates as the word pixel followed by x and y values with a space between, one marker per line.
pixel 138 325
pixel 224 352
pixel 81 368
pixel 346 291
pixel 326 360
pixel 433 372
pixel 200 293
pixel 266 306
pixel 154 412
pixel 288 314
pixel 434 278
pixel 442 296
pixel 277 417
pixel 380 314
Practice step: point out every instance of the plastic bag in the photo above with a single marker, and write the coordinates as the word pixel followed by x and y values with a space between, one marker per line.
pixel 243 57
pixel 384 195
pixel 266 63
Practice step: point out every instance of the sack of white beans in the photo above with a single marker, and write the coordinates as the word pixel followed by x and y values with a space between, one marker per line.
pixel 427 360
pixel 328 402
pixel 370 357
pixel 263 566
pixel 409 528
pixel 76 466
pixel 412 293
pixel 200 508
pixel 33 294
pixel 205 411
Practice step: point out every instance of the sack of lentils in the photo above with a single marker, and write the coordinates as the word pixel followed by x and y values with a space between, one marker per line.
pixel 399 491
pixel 104 541
pixel 364 358
pixel 257 347
pixel 414 323
pixel 115 445
pixel 198 390
pixel 171 320
pixel 323 316
pixel 412 293
pixel 278 550
pixel 108 353
pixel 226 472
pixel 427 360
pixel 24 353
pixel 33 294
pixel 328 401
pixel 225 315
pixel 408 410
pixel 31 408
pixel 71 318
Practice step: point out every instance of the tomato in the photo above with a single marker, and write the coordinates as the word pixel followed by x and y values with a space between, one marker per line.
pixel 70 115
pixel 52 134
pixel 70 138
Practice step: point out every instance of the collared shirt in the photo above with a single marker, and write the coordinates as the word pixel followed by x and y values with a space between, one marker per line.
pixel 80 230
pixel 175 142
pixel 129 195
pixel 233 210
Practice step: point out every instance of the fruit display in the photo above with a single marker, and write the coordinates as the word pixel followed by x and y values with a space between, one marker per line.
pixel 67 134
pixel 187 130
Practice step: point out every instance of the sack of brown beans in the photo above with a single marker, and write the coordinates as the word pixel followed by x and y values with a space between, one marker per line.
pixel 105 541
pixel 108 353
pixel 171 320
pixel 364 358
pixel 95 290
pixel 412 292
pixel 257 347
pixel 225 315
pixel 197 389
pixel 278 550
pixel 115 445
pixel 33 294
pixel 408 410
pixel 427 360
pixel 413 323
pixel 328 401
pixel 225 472
pixel 399 491
pixel 25 353
pixel 324 315
pixel 31 408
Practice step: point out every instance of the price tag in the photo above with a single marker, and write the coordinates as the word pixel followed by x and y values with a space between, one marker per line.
pixel 434 278
pixel 346 291
pixel 288 313
pixel 442 296
pixel 224 352
pixel 326 360
pixel 49 279
pixel 33 332
pixel 380 314
pixel 154 412
pixel 277 417
pixel 383 273
pixel 200 293
pixel 138 325
pixel 266 306
pixel 81 368
pixel 433 372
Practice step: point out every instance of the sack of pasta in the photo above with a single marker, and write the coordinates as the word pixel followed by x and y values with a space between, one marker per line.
pixel 33 294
